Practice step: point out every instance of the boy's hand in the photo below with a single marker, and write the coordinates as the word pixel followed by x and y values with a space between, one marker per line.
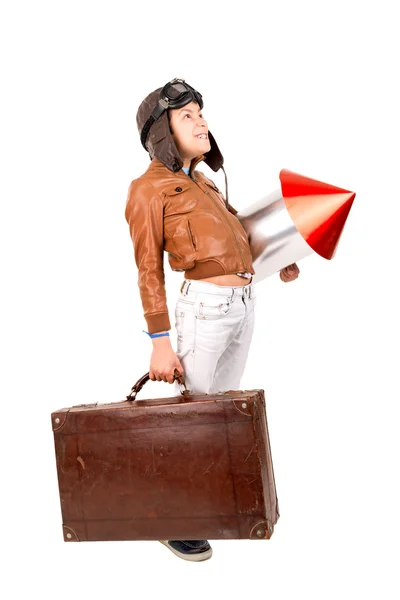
pixel 163 361
pixel 289 273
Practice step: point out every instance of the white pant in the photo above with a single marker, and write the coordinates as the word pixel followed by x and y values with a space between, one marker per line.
pixel 214 327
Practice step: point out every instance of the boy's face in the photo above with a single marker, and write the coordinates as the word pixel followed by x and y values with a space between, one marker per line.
pixel 186 124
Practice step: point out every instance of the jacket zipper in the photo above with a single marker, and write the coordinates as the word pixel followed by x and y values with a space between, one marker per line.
pixel 229 223
pixel 191 235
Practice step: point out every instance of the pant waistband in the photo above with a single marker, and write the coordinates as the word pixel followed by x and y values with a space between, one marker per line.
pixel 195 285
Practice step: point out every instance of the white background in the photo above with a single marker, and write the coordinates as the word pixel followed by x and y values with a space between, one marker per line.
pixel 307 86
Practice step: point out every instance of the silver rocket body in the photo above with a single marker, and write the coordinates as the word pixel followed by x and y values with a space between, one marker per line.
pixel 274 240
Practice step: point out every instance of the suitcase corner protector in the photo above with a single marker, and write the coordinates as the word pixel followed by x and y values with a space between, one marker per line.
pixel 58 420
pixel 262 530
pixel 70 535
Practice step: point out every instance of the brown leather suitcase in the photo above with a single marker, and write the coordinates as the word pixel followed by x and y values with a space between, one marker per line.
pixel 194 466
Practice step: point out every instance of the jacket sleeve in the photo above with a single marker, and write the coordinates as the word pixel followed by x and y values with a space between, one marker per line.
pixel 144 213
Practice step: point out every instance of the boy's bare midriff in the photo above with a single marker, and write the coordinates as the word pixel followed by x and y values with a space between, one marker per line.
pixel 230 279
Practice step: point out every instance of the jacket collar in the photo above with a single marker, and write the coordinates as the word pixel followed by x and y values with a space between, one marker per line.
pixel 156 164
pixel 195 162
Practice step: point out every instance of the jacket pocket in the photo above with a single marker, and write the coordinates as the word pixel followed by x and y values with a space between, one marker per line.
pixel 192 236
pixel 178 199
pixel 215 192
pixel 212 185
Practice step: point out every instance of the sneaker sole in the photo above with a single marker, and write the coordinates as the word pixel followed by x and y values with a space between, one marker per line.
pixel 192 557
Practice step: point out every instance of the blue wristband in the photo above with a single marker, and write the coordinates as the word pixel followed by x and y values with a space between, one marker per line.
pixel 153 335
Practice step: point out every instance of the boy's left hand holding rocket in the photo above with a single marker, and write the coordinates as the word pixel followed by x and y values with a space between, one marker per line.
pixel 289 273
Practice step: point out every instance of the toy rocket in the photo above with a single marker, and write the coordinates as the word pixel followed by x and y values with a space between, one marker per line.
pixel 302 217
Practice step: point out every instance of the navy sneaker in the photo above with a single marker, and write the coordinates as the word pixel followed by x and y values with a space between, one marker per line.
pixel 195 550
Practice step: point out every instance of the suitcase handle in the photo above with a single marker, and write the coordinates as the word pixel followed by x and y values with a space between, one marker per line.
pixel 140 383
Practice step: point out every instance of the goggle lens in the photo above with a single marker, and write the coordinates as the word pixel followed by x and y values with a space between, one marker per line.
pixel 175 90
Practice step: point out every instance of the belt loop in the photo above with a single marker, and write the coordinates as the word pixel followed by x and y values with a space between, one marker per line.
pixel 187 288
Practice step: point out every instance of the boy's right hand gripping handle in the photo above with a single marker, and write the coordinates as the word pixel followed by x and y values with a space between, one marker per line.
pixel 140 383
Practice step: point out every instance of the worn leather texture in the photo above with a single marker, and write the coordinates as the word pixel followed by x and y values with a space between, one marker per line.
pixel 188 219
pixel 194 466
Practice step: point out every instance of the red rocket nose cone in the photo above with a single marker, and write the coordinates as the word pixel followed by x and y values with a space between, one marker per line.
pixel 318 210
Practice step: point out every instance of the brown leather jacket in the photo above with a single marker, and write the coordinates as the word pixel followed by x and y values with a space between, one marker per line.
pixel 187 218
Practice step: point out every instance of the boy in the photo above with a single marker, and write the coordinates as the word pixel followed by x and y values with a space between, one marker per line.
pixel 174 208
